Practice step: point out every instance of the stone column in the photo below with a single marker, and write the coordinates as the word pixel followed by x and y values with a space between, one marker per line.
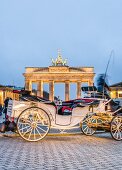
pixel 28 85
pixel 40 88
pixel 67 90
pixel 51 90
pixel 78 89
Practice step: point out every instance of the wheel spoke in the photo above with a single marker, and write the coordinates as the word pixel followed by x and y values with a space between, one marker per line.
pixel 27 131
pixel 24 123
pixel 87 130
pixel 39 132
pixel 30 119
pixel 41 128
pixel 30 133
pixel 85 127
pixel 91 130
pixel 34 133
pixel 40 118
pixel 35 118
pixel 113 127
pixel 21 124
pixel 115 132
pixel 24 128
pixel 116 122
pixel 119 134
pixel 84 124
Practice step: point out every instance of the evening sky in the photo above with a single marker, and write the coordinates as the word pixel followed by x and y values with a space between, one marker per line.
pixel 86 31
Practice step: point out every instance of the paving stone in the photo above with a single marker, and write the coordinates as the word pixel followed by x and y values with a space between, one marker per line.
pixel 71 152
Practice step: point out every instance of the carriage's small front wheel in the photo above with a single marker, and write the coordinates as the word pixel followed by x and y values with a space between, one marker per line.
pixel 116 127
pixel 33 124
pixel 87 125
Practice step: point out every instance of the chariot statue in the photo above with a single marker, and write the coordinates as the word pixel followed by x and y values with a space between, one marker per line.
pixel 59 61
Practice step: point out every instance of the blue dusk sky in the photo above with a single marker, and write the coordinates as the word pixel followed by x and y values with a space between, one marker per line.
pixel 86 31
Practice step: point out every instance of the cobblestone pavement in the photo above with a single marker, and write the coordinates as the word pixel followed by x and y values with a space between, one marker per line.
pixel 62 153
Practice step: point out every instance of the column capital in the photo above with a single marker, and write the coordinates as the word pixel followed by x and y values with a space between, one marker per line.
pixel 67 81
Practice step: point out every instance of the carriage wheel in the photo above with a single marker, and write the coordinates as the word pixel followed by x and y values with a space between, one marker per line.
pixel 33 124
pixel 116 128
pixel 86 125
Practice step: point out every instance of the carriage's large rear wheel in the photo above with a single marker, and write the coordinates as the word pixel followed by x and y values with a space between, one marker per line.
pixel 116 127
pixel 33 124
pixel 87 125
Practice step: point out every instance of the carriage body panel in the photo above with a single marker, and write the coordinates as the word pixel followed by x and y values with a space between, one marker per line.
pixel 57 121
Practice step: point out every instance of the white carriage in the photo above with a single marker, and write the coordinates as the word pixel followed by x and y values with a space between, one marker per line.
pixel 34 119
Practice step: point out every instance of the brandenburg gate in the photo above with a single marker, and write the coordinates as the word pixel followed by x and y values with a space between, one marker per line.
pixel 58 72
